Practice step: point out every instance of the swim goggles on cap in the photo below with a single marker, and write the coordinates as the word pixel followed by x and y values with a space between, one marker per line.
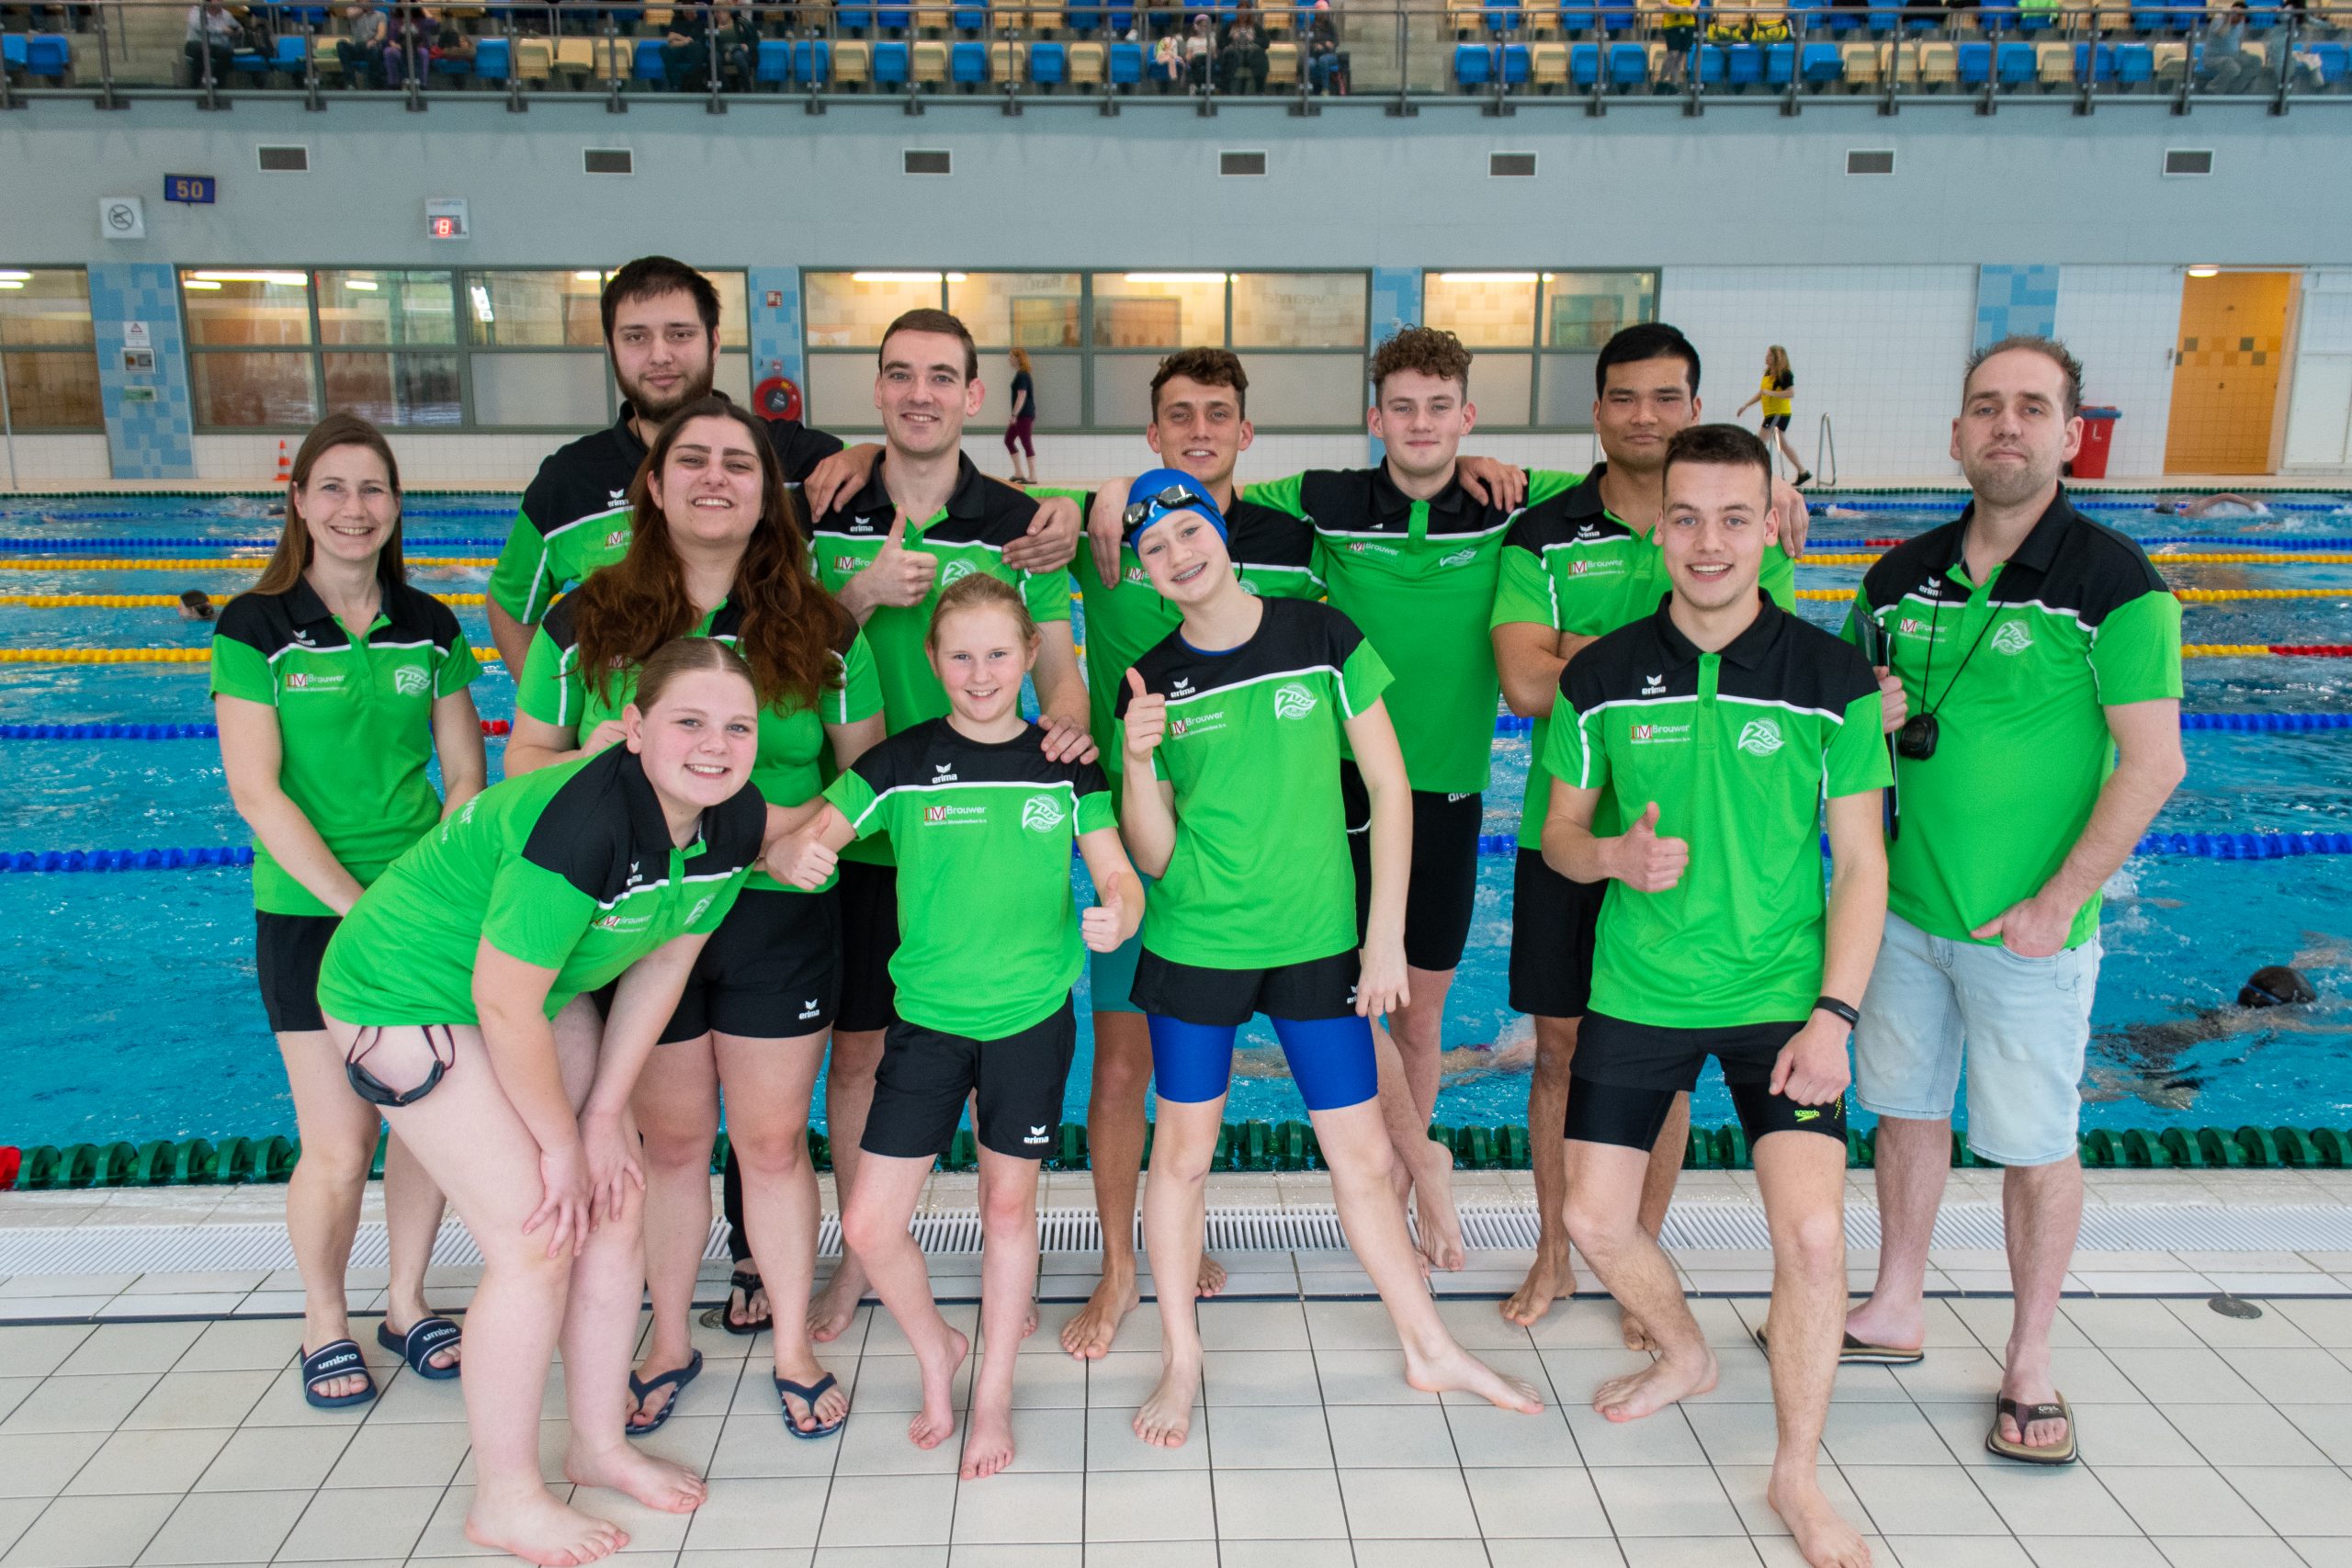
pixel 1175 498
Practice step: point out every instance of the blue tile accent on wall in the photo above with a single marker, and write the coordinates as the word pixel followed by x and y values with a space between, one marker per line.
pixel 2012 299
pixel 775 329
pixel 146 439
pixel 1396 302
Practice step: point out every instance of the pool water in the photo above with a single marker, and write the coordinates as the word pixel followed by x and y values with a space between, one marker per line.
pixel 134 1013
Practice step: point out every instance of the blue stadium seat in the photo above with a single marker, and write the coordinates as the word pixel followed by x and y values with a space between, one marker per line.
pixel 812 61
pixel 1048 65
pixel 854 19
pixel 1616 18
pixel 1514 66
pixel 2335 63
pixel 451 65
pixel 1823 64
pixel 2095 65
pixel 1999 16
pixel 1501 16
pixel 1085 18
pixel 773 62
pixel 2015 64
pixel 647 65
pixel 967 62
pixel 1126 64
pixel 1584 64
pixel 1714 64
pixel 494 57
pixel 890 63
pixel 1885 15
pixel 2134 64
pixel 2150 17
pixel 1629 65
pixel 1474 64
pixel 1122 19
pixel 51 55
pixel 252 62
pixel 891 18
pixel 288 57
pixel 1780 64
pixel 1975 60
pixel 1747 68
pixel 13 52
pixel 971 18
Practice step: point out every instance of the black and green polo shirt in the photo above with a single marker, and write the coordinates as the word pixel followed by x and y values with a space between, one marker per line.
pixel 1261 874
pixel 791 765
pixel 984 829
pixel 1737 748
pixel 570 868
pixel 576 517
pixel 1419 577
pixel 1571 565
pixel 2017 669
pixel 1273 557
pixel 355 720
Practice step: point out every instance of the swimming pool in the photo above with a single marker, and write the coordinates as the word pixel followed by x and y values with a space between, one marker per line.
pixel 134 1015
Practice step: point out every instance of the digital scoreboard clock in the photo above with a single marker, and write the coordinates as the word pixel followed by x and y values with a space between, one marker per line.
pixel 444 219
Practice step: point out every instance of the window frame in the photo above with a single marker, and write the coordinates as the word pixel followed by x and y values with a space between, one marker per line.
pixel 1536 348
pixel 97 365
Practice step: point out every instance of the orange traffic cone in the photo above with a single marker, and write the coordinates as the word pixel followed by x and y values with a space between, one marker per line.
pixel 285 472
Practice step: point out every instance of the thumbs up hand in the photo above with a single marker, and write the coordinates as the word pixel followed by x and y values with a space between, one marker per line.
pixel 1101 926
pixel 1147 724
pixel 901 576
pixel 1646 862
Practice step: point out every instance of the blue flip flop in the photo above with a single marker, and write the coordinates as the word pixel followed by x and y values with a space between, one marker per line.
pixel 328 1362
pixel 808 1396
pixel 421 1343
pixel 678 1380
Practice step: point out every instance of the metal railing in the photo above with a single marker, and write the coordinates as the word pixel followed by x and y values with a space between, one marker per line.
pixel 1403 54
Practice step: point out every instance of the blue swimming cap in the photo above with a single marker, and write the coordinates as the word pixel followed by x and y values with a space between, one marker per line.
pixel 1162 491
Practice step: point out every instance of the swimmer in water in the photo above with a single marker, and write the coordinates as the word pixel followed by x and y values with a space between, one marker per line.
pixel 2147 1055
pixel 2227 503
pixel 195 604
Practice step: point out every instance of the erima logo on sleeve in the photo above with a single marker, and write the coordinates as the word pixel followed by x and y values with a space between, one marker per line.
pixel 1294 701
pixel 1042 814
pixel 2012 638
pixel 409 681
pixel 1760 737
pixel 618 498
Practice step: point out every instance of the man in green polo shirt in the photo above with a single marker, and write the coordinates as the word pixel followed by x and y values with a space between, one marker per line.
pixel 2040 660
pixel 1582 563
pixel 1714 727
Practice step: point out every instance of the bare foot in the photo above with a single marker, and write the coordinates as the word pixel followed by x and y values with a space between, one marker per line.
pixel 1656 1386
pixel 1029 1324
pixel 2030 1389
pixel 1166 1418
pixel 1433 1214
pixel 1210 1279
pixel 1088 1336
pixel 1636 1337
pixel 1826 1540
pixel 1452 1369
pixel 987 1447
pixel 935 1422
pixel 656 1483
pixel 1552 1279
pixel 834 1308
pixel 538 1529
pixel 1901 1326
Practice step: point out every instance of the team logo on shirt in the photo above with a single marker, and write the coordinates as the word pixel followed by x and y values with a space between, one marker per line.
pixel 1460 558
pixel 617 539
pixel 409 681
pixel 1042 814
pixel 847 564
pixel 1036 1135
pixel 2012 638
pixel 1363 548
pixel 1654 685
pixel 314 681
pixel 955 816
pixel 1294 701
pixel 1760 737
pixel 697 912
pixel 617 498
pixel 1138 576
pixel 955 571
pixel 1248 587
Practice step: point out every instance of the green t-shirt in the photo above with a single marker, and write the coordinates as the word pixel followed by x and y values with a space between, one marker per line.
pixel 2074 622
pixel 1737 748
pixel 1419 577
pixel 552 868
pixel 984 830
pixel 790 769
pixel 967 535
pixel 1261 874
pixel 1570 565
pixel 354 721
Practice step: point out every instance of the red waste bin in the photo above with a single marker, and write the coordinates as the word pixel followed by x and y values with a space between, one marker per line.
pixel 2098 438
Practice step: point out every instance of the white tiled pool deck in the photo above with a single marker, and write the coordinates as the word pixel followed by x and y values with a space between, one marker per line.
pixel 156 1418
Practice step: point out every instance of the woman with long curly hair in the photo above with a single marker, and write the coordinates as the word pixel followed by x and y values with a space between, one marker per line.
pixel 715 553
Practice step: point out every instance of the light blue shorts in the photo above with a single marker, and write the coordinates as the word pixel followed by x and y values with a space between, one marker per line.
pixel 2026 1023
pixel 1110 977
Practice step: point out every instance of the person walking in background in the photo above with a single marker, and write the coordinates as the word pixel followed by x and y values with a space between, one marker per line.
pixel 1025 419
pixel 1773 393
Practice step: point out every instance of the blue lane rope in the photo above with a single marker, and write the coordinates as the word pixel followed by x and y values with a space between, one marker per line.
pixel 19 544
pixel 125 860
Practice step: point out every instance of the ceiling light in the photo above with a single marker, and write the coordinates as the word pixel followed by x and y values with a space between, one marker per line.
pixel 198 283
pixel 14 277
pixel 2204 272
pixel 281 279
pixel 587 276
pixel 11 283
pixel 365 284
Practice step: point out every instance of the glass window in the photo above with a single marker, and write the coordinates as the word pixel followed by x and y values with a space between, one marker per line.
pixel 1159 310
pixel 561 391
pixel 1500 390
pixel 841 392
pixel 852 310
pixel 1017 310
pixel 1299 309
pixel 236 389
pixel 1584 310
pixel 1485 309
pixel 232 309
pixel 409 391
pixel 734 310
pixel 540 309
pixel 387 308
pixel 47 360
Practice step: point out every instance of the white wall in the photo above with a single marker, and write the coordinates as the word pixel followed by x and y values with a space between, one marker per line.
pixel 2121 322
pixel 1877 348
pixel 59 460
pixel 493 462
pixel 2319 409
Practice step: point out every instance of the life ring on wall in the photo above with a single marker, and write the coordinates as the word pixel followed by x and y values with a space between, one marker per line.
pixel 778 397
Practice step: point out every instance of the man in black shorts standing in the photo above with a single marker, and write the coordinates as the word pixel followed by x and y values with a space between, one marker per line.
pixel 1715 725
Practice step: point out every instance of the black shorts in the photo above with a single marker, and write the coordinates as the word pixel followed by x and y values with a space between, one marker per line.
pixel 1555 928
pixel 1444 885
pixel 1777 420
pixel 1625 1076
pixel 288 951
pixel 771 970
pixel 925 1075
pixel 869 905
pixel 1318 987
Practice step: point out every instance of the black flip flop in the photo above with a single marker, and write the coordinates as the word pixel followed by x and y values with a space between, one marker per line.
pixel 328 1362
pixel 808 1396
pixel 1863 1353
pixel 677 1380
pixel 421 1343
pixel 746 1281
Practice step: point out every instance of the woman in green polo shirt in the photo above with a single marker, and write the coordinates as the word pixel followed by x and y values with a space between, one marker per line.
pixel 334 682
pixel 442 989
pixel 712 551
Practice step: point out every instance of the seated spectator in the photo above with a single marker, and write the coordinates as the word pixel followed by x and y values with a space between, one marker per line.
pixel 1167 62
pixel 685 52
pixel 1199 50
pixel 213 36
pixel 2227 67
pixel 450 41
pixel 1323 51
pixel 362 53
pixel 1241 64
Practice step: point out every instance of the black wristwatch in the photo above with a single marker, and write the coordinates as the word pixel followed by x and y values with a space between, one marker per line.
pixel 1833 1006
